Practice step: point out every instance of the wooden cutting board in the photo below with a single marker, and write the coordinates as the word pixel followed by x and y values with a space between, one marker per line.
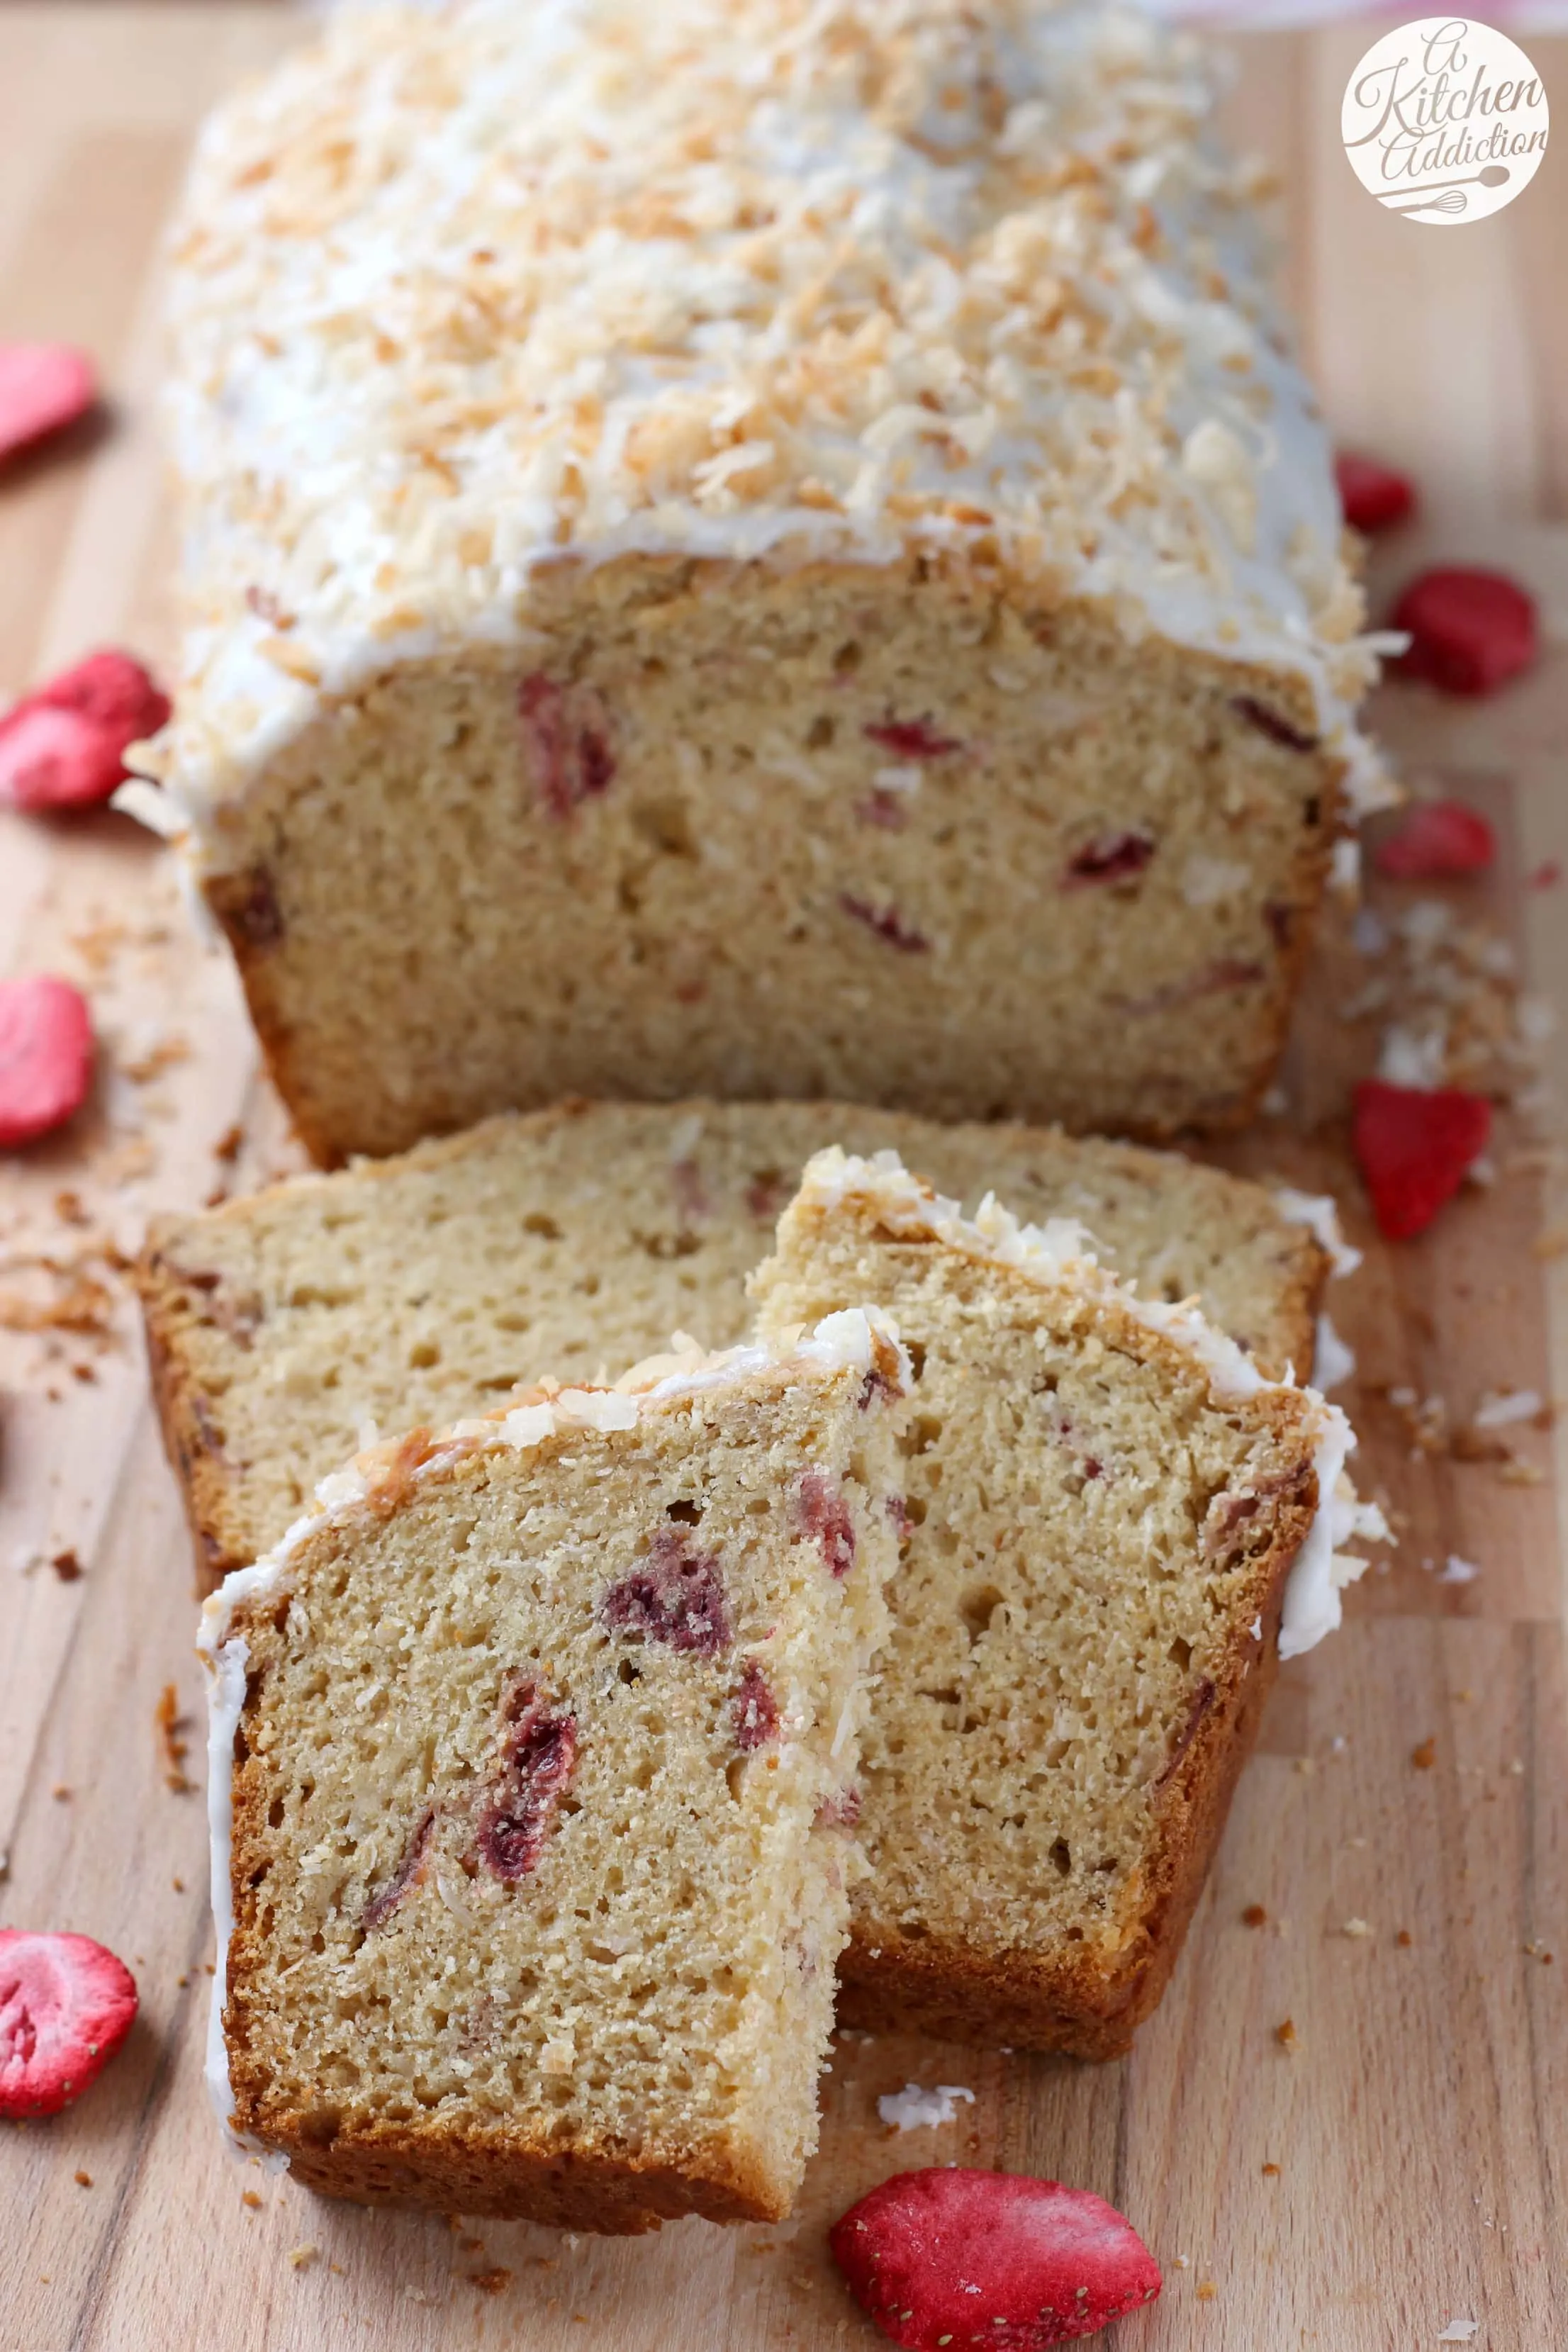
pixel 1404 2165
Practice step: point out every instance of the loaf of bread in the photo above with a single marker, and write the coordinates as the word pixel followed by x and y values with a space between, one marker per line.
pixel 529 1754
pixel 756 547
pixel 1113 1528
pixel 576 1240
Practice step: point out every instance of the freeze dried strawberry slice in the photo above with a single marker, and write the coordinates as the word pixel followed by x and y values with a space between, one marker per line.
pixel 66 2006
pixel 886 923
pixel 45 1056
pixel 1414 1147
pixel 63 745
pixel 1109 858
pixel 1470 631
pixel 675 1594
pixel 818 1510
pixel 538 1759
pixel 566 735
pixel 1375 498
pixel 1438 838
pixel 43 386
pixel 953 2257
pixel 754 1709
pixel 913 738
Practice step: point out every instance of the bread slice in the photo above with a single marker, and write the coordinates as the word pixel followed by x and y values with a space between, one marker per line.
pixel 529 1750
pixel 575 1241
pixel 1114 1525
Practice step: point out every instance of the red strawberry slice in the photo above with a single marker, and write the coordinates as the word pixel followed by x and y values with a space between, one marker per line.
pixel 951 2257
pixel 62 746
pixel 66 2006
pixel 1438 838
pixel 1470 631
pixel 45 1056
pixel 1375 498
pixel 913 738
pixel 1414 1147
pixel 42 387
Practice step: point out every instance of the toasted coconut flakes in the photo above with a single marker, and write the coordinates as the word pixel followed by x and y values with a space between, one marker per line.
pixel 626 278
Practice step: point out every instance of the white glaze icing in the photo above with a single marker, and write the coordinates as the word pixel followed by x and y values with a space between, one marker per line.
pixel 1319 1211
pixel 225 1662
pixel 461 294
pixel 1334 1360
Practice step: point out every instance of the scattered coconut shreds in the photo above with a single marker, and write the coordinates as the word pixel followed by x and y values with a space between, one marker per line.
pixel 1460 2331
pixel 1454 1012
pixel 1426 1419
pixel 914 2109
pixel 1356 1930
pixel 148 1055
pixel 81 1304
pixel 1499 1407
pixel 1456 1570
pixel 301 2257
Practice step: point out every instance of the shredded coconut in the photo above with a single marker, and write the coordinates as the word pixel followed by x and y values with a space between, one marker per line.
pixel 1499 1407
pixel 913 2109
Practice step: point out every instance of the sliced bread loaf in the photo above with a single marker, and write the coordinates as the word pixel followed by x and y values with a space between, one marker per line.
pixel 528 1747
pixel 760 546
pixel 575 1241
pixel 1113 1525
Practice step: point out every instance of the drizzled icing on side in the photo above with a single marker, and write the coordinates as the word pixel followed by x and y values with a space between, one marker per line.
pixel 461 293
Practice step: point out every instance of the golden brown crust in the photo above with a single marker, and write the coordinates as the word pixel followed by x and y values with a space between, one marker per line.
pixel 1064 1999
pixel 393 2167
pixel 204 1475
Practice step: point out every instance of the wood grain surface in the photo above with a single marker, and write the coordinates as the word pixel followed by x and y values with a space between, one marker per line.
pixel 1405 2163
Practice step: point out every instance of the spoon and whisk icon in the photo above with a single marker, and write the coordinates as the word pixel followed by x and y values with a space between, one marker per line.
pixel 1448 195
